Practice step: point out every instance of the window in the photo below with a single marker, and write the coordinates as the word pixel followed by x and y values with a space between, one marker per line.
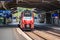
pixel 27 13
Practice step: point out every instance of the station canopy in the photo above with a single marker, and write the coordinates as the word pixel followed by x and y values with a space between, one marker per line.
pixel 46 5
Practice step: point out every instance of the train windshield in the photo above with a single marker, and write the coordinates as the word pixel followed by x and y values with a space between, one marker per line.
pixel 27 14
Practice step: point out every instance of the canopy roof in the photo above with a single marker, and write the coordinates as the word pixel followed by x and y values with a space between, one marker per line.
pixel 41 4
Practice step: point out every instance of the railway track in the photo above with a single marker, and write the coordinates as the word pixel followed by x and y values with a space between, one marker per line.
pixel 53 33
pixel 49 29
pixel 55 30
pixel 34 36
pixel 43 35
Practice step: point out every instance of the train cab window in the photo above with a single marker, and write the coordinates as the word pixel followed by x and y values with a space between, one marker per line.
pixel 27 14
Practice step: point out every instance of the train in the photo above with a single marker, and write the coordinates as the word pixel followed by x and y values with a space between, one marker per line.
pixel 27 20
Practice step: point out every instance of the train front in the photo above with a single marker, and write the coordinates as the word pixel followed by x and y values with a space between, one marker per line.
pixel 27 21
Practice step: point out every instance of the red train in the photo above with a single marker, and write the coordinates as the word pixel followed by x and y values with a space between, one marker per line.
pixel 27 20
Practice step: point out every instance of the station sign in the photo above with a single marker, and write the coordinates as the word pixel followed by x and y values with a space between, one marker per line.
pixel 55 15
